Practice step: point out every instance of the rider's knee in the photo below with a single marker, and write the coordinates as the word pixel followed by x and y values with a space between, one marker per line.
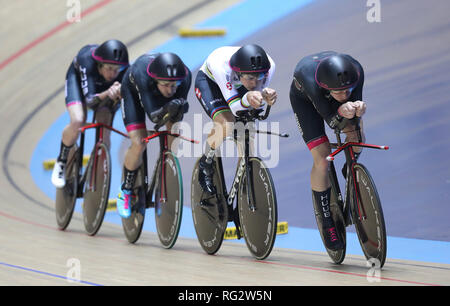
pixel 77 122
pixel 137 145
pixel 225 122
pixel 321 164
pixel 103 115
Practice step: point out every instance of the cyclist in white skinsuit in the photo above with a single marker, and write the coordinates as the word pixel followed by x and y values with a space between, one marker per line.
pixel 230 80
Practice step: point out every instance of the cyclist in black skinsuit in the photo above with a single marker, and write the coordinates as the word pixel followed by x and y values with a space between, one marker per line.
pixel 92 81
pixel 327 86
pixel 155 85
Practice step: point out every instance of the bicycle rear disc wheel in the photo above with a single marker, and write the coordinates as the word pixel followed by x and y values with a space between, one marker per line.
pixel 169 200
pixel 96 189
pixel 259 225
pixel 66 197
pixel 133 225
pixel 371 230
pixel 210 213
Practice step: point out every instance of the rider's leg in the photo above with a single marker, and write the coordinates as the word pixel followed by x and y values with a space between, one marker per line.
pixel 223 127
pixel 319 171
pixel 312 128
pixel 133 157
pixel 134 120
pixel 76 109
pixel 211 98
pixel 105 116
pixel 320 183
pixel 321 190
pixel 77 113
pixel 69 137
pixel 72 130
pixel 133 115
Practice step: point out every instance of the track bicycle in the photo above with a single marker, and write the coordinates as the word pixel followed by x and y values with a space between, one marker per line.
pixel 92 184
pixel 164 192
pixel 255 213
pixel 361 205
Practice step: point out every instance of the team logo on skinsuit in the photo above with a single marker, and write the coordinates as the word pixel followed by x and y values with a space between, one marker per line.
pixel 229 86
pixel 198 93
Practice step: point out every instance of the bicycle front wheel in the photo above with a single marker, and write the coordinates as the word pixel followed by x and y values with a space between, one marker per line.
pixel 168 200
pixel 96 188
pixel 66 197
pixel 259 218
pixel 368 217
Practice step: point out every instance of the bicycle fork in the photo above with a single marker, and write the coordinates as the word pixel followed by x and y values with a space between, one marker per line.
pixel 163 149
pixel 249 174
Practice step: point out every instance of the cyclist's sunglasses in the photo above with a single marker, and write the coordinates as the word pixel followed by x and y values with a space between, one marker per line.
pixel 113 67
pixel 168 83
pixel 252 76
pixel 350 89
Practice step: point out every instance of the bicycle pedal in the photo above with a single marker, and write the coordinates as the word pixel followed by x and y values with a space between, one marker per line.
pixel 150 204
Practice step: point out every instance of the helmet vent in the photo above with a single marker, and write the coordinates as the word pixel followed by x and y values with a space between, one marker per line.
pixel 117 54
pixel 343 78
pixel 171 70
pixel 256 62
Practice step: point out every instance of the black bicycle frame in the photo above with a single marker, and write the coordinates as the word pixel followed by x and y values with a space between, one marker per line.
pixel 244 166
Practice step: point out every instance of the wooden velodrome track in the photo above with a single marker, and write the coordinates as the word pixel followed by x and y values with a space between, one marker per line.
pixel 34 252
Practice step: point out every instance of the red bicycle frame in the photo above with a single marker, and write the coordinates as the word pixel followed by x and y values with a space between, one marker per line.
pixel 163 136
pixel 351 160
pixel 99 139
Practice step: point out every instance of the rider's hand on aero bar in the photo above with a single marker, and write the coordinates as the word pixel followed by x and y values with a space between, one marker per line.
pixel 177 108
pixel 254 113
pixel 174 109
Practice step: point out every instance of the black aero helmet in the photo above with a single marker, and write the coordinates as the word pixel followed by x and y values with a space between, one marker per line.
pixel 167 66
pixel 111 52
pixel 336 72
pixel 250 59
